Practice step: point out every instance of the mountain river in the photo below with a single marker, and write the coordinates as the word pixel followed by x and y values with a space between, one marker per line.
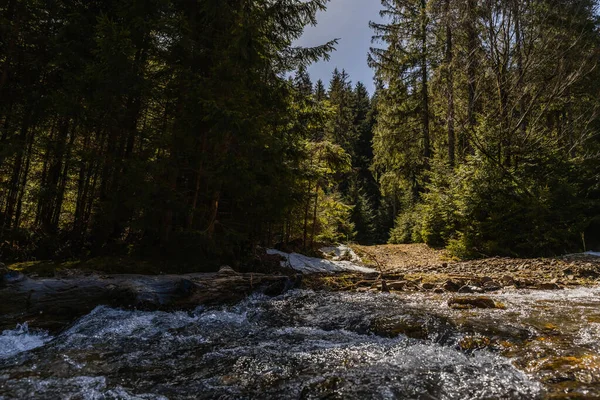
pixel 318 345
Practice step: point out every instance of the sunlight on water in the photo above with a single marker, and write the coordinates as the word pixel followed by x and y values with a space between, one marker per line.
pixel 314 345
pixel 300 345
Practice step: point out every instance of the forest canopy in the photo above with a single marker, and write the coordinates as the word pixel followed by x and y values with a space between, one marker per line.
pixel 191 130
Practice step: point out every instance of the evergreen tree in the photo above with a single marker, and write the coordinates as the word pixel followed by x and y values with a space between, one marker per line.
pixel 501 119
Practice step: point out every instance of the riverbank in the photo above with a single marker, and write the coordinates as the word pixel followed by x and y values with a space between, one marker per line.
pixel 407 267
pixel 417 267
pixel 470 323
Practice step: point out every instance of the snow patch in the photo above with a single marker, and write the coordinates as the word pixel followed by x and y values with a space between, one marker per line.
pixel 593 253
pixel 341 253
pixel 311 265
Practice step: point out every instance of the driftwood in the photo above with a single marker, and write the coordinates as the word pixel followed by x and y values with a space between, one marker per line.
pixel 52 303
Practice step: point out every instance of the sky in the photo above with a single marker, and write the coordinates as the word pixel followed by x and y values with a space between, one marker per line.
pixel 347 20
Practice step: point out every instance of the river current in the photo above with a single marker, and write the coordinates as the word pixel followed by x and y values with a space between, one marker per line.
pixel 317 345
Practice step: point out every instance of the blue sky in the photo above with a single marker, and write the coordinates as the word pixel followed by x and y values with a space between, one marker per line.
pixel 347 20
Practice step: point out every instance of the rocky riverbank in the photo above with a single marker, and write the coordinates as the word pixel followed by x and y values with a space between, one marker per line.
pixel 419 268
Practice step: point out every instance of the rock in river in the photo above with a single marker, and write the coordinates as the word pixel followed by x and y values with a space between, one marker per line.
pixel 471 302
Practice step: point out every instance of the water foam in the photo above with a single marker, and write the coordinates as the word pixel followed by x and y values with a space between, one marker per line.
pixel 21 339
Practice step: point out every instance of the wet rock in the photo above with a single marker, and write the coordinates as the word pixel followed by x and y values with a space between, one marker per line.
pixel 589 271
pixel 396 285
pixel 471 302
pixel 451 286
pixel 413 325
pixel 8 276
pixel 491 286
pixel 276 288
pixel 465 289
pixel 470 289
pixel 471 343
pixel 548 286
pixel 384 287
pixel 485 280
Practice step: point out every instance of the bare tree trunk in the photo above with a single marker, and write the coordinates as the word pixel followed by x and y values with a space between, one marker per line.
pixel 520 72
pixel 472 64
pixel 60 194
pixel 199 173
pixel 12 42
pixel 425 86
pixel 14 186
pixel 450 88
pixel 314 225
pixel 24 182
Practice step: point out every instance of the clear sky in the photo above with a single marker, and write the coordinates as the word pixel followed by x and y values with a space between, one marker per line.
pixel 347 20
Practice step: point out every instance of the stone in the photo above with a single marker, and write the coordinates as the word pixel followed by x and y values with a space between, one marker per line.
pixel 427 286
pixel 470 289
pixel 439 290
pixel 471 302
pixel 485 280
pixel 548 286
pixel 465 289
pixel 451 286
pixel 396 285
pixel 384 287
pixel 491 286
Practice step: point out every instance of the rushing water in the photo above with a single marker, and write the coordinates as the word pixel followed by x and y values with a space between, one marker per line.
pixel 307 345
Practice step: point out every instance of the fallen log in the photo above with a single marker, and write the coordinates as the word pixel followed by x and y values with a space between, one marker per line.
pixel 53 303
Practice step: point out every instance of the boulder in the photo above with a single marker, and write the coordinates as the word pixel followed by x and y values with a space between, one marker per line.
pixel 491 286
pixel 470 289
pixel 396 285
pixel 451 286
pixel 548 286
pixel 471 302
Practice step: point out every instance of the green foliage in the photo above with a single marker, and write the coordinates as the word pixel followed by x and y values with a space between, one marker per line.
pixel 334 220
pixel 513 124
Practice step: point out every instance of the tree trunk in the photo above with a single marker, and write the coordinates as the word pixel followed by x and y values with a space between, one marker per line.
pixel 14 188
pixel 425 86
pixel 314 225
pixel 450 89
pixel 23 184
pixel 53 303
pixel 472 64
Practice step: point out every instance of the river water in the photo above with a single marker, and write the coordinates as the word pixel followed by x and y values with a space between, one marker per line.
pixel 317 345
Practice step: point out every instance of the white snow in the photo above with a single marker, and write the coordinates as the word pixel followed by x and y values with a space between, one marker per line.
pixel 593 253
pixel 341 253
pixel 310 265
